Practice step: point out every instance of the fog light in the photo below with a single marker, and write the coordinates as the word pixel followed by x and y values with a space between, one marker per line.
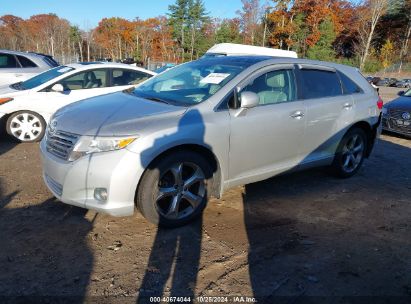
pixel 100 194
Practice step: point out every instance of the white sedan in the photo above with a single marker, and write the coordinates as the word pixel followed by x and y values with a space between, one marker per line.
pixel 26 107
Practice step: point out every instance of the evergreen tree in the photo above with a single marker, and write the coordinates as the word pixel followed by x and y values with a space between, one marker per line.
pixel 228 31
pixel 188 19
pixel 197 20
pixel 178 18
pixel 323 49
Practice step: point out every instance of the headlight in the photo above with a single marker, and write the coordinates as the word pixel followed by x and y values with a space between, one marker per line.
pixel 384 111
pixel 89 144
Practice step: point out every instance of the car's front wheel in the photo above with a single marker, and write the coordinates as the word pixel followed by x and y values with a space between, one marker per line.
pixel 174 189
pixel 26 126
pixel 350 153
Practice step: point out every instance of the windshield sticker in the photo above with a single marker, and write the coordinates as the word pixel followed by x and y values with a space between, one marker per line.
pixel 214 78
pixel 64 70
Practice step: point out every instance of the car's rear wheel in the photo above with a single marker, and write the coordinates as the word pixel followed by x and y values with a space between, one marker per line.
pixel 26 126
pixel 174 190
pixel 350 153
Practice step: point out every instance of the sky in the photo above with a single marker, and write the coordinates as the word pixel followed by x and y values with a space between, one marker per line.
pixel 87 13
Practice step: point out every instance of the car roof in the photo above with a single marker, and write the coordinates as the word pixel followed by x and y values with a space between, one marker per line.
pixel 24 53
pixel 97 64
pixel 268 60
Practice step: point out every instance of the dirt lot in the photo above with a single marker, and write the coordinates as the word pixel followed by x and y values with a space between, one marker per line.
pixel 300 235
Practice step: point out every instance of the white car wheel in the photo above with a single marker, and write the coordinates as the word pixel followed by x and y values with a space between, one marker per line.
pixel 26 126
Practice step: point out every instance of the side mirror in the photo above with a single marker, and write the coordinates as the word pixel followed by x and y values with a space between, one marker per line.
pixel 400 93
pixel 58 87
pixel 249 100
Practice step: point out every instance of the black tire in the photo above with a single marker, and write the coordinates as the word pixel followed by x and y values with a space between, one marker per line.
pixel 155 207
pixel 339 166
pixel 34 130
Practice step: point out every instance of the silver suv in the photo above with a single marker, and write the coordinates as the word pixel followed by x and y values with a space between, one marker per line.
pixel 19 66
pixel 206 126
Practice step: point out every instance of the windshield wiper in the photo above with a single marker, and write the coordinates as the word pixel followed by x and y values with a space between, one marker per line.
pixel 157 99
pixel 17 86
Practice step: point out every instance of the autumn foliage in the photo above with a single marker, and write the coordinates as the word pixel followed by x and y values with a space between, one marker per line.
pixel 363 33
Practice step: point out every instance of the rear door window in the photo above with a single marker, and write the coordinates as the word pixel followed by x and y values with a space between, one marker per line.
pixel 123 77
pixel 8 61
pixel 319 83
pixel 25 62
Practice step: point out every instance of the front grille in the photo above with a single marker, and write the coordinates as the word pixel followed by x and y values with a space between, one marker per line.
pixel 396 123
pixel 397 113
pixel 61 143
pixel 54 186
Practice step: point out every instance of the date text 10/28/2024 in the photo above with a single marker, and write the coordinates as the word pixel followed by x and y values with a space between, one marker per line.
pixel 203 299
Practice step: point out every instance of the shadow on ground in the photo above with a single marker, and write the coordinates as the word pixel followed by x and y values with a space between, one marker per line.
pixel 44 250
pixel 6 144
pixel 312 238
pixel 344 238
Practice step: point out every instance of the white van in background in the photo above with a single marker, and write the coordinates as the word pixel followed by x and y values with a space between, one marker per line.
pixel 233 49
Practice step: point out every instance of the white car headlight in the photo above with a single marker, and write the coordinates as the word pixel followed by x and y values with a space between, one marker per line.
pixel 89 144
pixel 384 111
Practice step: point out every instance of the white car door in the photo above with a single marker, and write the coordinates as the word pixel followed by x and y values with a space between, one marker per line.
pixel 82 85
pixel 266 140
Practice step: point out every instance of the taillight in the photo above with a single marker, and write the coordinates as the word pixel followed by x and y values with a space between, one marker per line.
pixel 380 103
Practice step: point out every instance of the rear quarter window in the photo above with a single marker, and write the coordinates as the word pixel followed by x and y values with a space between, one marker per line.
pixel 319 84
pixel 349 86
pixel 25 62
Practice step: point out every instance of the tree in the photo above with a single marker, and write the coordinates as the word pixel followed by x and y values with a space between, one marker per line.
pixel 250 17
pixel 228 31
pixel 299 34
pixel 188 18
pixel 369 15
pixel 404 9
pixel 178 16
pixel 386 54
pixel 323 49
pixel 76 39
pixel 280 20
pixel 10 29
pixel 197 18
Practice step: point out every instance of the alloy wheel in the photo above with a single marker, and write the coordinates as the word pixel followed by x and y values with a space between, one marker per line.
pixel 352 153
pixel 181 190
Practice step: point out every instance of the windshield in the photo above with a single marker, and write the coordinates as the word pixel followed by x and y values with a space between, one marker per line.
pixel 43 78
pixel 407 93
pixel 190 83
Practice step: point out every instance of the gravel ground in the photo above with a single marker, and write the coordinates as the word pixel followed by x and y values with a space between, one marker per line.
pixel 306 236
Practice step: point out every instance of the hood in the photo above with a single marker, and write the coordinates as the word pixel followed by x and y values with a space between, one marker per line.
pixel 117 114
pixel 4 90
pixel 401 102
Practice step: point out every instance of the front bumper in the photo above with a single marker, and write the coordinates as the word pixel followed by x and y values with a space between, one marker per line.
pixel 74 183
pixel 392 125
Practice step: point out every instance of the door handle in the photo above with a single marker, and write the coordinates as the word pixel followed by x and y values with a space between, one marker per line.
pixel 297 115
pixel 347 105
